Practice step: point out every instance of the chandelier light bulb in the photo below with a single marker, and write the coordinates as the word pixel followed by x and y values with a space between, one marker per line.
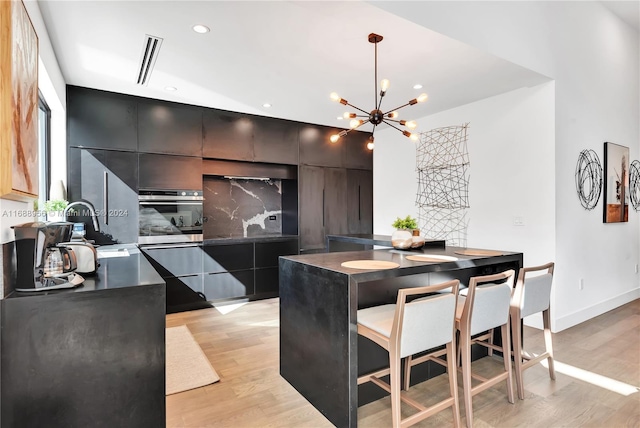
pixel 411 124
pixel 384 85
pixel 370 145
pixel 348 115
pixel 355 123
pixel 392 115
pixel 335 97
pixel 422 98
pixel 334 138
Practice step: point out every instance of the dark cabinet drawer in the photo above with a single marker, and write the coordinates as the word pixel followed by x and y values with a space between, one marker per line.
pixel 228 284
pixel 169 128
pixel 175 261
pixel 169 172
pixel 267 280
pixel 223 258
pixel 185 293
pixel 267 253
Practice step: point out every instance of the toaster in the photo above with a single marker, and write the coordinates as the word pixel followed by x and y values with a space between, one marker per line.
pixel 86 256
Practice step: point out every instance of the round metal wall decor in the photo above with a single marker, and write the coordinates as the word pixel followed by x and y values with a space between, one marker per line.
pixel 588 179
pixel 634 184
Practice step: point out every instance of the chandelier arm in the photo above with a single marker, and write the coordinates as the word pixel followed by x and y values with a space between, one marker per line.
pixel 398 108
pixel 393 126
pixel 380 103
pixel 358 108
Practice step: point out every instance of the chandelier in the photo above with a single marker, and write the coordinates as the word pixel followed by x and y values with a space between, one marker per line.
pixel 377 116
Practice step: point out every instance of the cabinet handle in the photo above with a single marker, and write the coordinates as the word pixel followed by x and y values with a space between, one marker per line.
pixel 322 207
pixel 105 197
pixel 359 205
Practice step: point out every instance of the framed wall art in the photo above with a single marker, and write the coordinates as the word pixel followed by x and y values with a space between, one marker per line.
pixel 18 103
pixel 616 183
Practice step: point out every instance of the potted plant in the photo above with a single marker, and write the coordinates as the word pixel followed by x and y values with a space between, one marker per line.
pixel 402 238
pixel 55 209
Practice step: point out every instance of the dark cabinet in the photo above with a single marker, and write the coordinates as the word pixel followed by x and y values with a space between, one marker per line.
pixel 176 260
pixel 227 135
pixel 108 179
pixel 104 120
pixel 275 141
pixel 358 155
pixel 267 253
pixel 316 148
pixel 311 216
pixel 360 201
pixel 169 172
pixel 169 128
pixel 229 284
pixel 323 205
pixel 227 257
pixel 335 201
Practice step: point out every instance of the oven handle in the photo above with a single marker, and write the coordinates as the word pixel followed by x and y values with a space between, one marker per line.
pixel 169 198
pixel 171 203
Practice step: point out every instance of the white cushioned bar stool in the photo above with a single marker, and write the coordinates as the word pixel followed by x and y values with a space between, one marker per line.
pixel 404 329
pixel 531 295
pixel 485 307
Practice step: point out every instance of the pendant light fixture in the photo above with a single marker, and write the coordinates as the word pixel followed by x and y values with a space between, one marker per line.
pixel 377 116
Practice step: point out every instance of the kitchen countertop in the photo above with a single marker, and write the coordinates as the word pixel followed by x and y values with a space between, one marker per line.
pixel 114 272
pixel 266 238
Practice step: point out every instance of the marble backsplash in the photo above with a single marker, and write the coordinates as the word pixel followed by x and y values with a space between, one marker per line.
pixel 237 208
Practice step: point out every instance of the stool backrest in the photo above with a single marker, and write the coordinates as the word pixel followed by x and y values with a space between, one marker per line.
pixel 427 322
pixel 533 293
pixel 487 302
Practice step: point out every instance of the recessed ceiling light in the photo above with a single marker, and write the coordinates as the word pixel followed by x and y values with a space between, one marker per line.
pixel 198 28
pixel 339 117
pixel 266 105
pixel 170 88
pixel 417 86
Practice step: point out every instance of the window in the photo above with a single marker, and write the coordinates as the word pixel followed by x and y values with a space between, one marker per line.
pixel 44 149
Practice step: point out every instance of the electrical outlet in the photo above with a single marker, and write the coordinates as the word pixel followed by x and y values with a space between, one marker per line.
pixel 581 284
pixel 518 221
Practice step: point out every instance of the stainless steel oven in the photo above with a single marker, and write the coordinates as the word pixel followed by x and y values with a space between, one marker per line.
pixel 170 216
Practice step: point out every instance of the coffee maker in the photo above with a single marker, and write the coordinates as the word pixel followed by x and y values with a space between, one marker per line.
pixel 43 264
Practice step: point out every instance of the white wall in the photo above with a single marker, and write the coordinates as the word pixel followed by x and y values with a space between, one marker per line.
pixel 593 57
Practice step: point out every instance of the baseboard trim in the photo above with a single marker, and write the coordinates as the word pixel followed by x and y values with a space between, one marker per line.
pixel 585 314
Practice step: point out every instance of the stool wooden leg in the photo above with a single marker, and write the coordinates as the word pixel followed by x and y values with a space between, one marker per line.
pixel 490 340
pixel 465 348
pixel 506 346
pixel 453 382
pixel 394 366
pixel 407 372
pixel 517 353
pixel 546 320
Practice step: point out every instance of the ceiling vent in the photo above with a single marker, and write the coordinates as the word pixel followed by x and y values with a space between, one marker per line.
pixel 150 50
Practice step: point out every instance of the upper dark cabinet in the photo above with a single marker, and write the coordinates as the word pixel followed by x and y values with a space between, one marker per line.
pixel 275 141
pixel 316 148
pixel 358 156
pixel 169 128
pixel 169 172
pixel 99 119
pixel 227 135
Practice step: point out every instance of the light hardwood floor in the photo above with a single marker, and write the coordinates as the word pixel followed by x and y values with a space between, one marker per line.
pixel 243 348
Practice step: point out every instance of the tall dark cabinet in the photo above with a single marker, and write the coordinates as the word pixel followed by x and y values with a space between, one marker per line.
pixel 108 179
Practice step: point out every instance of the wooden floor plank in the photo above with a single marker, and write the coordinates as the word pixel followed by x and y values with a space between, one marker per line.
pixel 243 347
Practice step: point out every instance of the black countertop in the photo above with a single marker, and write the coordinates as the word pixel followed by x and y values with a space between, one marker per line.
pixel 114 272
pixel 266 238
pixel 333 261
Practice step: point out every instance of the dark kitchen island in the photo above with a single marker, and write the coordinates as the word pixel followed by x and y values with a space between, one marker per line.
pixel 321 354
pixel 92 356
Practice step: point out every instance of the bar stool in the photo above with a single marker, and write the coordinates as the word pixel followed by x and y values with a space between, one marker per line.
pixel 485 307
pixel 531 295
pixel 404 329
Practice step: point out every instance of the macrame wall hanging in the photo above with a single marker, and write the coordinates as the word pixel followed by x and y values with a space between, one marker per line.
pixel 442 161
pixel 634 184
